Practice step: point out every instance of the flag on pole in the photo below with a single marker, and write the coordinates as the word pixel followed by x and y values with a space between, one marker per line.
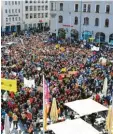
pixel 109 120
pixel 54 111
pixel 46 96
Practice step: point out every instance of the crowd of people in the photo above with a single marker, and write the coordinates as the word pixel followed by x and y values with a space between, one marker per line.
pixel 72 73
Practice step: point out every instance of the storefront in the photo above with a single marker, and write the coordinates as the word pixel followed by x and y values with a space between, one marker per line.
pixel 86 35
pixel 100 37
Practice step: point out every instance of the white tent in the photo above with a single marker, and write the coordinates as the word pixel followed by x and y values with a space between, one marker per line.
pixel 77 126
pixel 86 107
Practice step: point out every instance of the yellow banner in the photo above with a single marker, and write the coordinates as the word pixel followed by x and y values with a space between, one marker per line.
pixel 9 85
pixel 63 69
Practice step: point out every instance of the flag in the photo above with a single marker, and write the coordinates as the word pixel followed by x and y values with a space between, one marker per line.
pixel 54 111
pixel 105 85
pixel 46 96
pixel 109 120
pixel 9 85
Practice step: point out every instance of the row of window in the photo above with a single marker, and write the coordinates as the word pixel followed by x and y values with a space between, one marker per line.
pixel 12 11
pixel 12 2
pixel 34 8
pixel 86 21
pixel 36 1
pixel 33 25
pixel 12 19
pixel 86 8
pixel 35 15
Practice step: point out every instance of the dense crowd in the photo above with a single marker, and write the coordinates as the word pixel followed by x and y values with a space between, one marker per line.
pixel 56 63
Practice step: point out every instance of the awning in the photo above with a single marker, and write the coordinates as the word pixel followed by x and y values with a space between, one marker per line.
pixel 86 107
pixel 77 126
pixel 87 33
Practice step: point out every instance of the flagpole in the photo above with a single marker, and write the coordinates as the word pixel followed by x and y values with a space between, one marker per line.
pixel 43 105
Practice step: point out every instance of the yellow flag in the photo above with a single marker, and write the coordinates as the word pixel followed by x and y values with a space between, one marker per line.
pixel 57 46
pixel 9 85
pixel 109 120
pixel 45 118
pixel 63 69
pixel 54 111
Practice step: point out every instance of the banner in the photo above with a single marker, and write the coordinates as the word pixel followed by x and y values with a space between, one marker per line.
pixel 29 83
pixel 9 85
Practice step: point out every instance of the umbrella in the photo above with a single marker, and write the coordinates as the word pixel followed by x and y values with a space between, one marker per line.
pixel 7 125
pixel 54 112
pixel 105 86
pixel 109 120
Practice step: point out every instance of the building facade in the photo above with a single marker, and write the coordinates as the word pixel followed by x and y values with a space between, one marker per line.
pixel 24 14
pixel 35 14
pixel 82 19
pixel 11 16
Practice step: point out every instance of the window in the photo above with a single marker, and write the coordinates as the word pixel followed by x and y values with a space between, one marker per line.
pixel 34 8
pixel 19 10
pixel 26 8
pixel 34 15
pixel 86 21
pixel 46 15
pixel 38 8
pixel 26 1
pixel 84 8
pixel 13 19
pixel 76 7
pixel 42 8
pixel 34 1
pixel 26 16
pixel 89 8
pixel 25 26
pixel 15 2
pixel 38 1
pixel 51 6
pixel 61 6
pixel 30 8
pixel 12 10
pixel 9 11
pixel 107 23
pixel 5 10
pixel 6 19
pixel 60 19
pixel 5 2
pixel 97 22
pixel 15 10
pixel 76 20
pixel 31 16
pixel 34 25
pixel 38 15
pixel 46 1
pixel 46 7
pixel 12 2
pixel 18 2
pixel 19 18
pixel 9 2
pixel 10 19
pixel 30 25
pixel 30 1
pixel 107 8
pixel 42 15
pixel 42 1
pixel 97 8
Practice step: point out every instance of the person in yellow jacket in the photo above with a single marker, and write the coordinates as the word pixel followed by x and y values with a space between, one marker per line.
pixel 15 120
